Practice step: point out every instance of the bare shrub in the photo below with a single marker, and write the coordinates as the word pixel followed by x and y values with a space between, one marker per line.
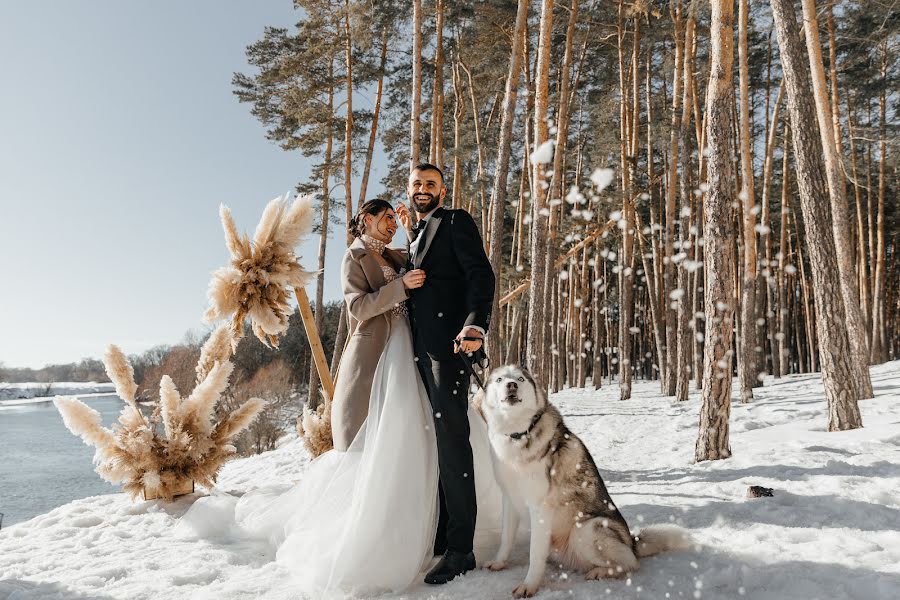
pixel 178 363
pixel 272 383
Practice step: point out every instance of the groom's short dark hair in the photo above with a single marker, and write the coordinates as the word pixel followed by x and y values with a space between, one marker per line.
pixel 429 167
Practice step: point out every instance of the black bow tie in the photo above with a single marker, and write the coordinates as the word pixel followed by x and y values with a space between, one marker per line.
pixel 420 225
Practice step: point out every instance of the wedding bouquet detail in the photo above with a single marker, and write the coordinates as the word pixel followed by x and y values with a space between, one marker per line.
pixel 181 442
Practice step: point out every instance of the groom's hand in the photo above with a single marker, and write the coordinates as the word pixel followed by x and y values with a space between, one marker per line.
pixel 468 345
pixel 405 217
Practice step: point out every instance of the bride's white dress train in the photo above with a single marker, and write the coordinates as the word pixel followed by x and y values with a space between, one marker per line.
pixel 363 521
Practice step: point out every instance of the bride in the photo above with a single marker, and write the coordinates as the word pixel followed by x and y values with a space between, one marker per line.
pixel 362 519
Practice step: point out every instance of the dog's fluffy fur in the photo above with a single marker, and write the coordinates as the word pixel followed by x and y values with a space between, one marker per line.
pixel 548 474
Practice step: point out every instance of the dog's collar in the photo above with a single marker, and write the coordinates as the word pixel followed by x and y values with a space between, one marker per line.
pixel 534 420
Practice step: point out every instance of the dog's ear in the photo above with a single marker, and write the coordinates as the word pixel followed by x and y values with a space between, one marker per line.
pixel 527 375
pixel 538 390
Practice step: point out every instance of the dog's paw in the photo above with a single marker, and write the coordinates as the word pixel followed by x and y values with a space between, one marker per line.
pixel 525 591
pixel 495 565
pixel 606 573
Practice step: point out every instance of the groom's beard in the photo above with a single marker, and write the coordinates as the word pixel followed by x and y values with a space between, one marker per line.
pixel 425 202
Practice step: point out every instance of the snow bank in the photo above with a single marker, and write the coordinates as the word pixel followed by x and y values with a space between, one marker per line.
pixel 20 391
pixel 830 531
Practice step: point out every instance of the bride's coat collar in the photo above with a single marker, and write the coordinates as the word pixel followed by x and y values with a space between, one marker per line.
pixel 358 251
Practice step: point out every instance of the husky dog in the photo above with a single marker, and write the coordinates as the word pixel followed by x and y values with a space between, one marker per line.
pixel 547 473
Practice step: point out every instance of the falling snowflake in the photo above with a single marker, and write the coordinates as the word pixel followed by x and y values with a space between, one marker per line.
pixel 601 178
pixel 543 154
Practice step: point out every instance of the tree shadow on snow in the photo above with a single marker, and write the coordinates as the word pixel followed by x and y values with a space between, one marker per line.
pixel 784 510
pixel 15 589
pixel 717 574
pixel 702 572
pixel 698 474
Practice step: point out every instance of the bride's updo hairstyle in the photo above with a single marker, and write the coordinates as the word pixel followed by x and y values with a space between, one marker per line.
pixel 375 207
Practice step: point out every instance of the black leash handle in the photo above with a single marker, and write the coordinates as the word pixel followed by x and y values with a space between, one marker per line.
pixel 465 358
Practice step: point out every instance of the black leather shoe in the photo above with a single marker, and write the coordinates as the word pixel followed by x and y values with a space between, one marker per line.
pixel 451 566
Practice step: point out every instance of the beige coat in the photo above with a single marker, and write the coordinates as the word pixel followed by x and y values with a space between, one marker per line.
pixel 369 301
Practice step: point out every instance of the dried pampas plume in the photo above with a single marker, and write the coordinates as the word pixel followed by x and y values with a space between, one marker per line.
pixel 314 426
pixel 261 276
pixel 122 375
pixel 218 348
pixel 184 442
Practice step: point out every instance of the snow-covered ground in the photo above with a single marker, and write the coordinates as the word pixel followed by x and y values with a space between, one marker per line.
pixel 832 529
pixel 47 391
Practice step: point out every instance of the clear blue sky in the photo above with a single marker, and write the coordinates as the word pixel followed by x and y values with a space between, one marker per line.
pixel 119 137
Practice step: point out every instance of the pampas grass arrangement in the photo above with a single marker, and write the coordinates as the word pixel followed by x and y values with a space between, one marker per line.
pixel 314 426
pixel 182 441
pixel 258 284
pixel 261 276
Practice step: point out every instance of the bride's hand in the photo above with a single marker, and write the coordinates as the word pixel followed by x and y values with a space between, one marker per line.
pixel 414 279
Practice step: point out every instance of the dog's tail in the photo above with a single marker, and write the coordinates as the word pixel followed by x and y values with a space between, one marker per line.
pixel 660 538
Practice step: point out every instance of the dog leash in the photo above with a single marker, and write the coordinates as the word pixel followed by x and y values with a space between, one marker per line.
pixel 465 358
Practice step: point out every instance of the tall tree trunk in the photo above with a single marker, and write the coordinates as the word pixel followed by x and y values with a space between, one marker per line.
pixel 373 132
pixel 669 369
pixel 313 398
pixel 861 250
pixel 878 331
pixel 479 149
pixel 809 312
pixel 782 306
pixel 719 234
pixel 651 261
pixel 652 283
pixel 537 346
pixel 459 110
pixel 557 183
pixel 599 327
pixel 747 350
pixel 626 273
pixel 836 191
pixel 582 345
pixel 501 172
pixel 415 124
pixel 348 122
pixel 436 152
pixel 839 374
pixel 685 338
pixel 772 290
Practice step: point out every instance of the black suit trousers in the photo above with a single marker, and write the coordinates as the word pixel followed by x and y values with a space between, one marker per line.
pixel 447 385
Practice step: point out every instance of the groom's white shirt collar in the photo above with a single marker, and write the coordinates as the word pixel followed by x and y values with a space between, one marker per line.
pixel 430 212
pixel 424 221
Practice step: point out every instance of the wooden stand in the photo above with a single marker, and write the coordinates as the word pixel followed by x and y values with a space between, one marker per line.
pixel 315 343
pixel 185 487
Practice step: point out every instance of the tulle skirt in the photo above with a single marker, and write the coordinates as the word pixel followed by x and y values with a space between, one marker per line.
pixel 363 522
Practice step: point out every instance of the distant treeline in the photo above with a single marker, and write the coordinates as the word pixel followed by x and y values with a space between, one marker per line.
pixel 87 369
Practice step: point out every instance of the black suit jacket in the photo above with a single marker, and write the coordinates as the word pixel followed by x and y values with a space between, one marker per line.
pixel 459 282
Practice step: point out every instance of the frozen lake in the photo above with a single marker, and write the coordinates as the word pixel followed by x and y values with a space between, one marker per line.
pixel 42 465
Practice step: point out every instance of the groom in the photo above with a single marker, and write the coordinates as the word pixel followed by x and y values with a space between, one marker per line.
pixel 453 304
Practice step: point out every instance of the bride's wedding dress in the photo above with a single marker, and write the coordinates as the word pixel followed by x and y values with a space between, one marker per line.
pixel 363 521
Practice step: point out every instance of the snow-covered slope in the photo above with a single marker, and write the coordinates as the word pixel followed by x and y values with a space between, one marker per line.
pixel 830 531
pixel 19 391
